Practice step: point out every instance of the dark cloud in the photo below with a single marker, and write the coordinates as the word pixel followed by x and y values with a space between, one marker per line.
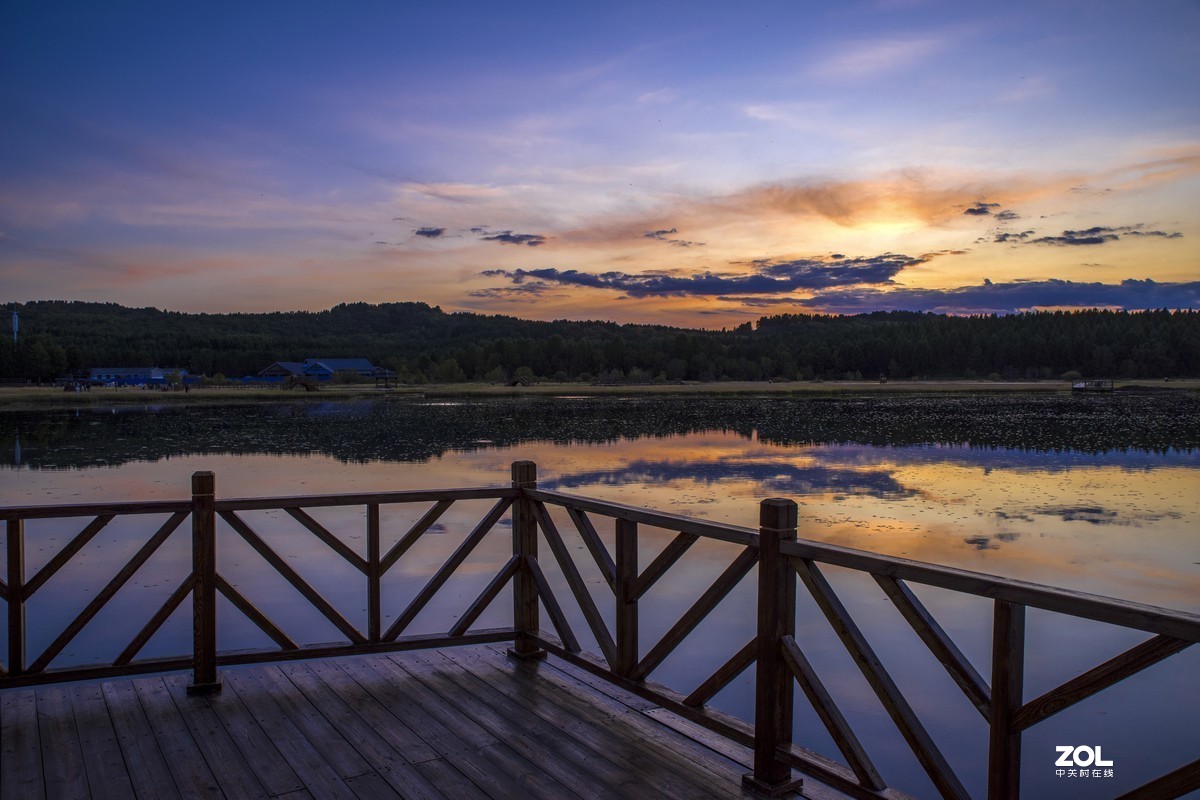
pixel 1005 236
pixel 768 277
pixel 1076 240
pixel 1089 236
pixel 1163 234
pixel 526 291
pixel 1007 216
pixel 665 236
pixel 508 237
pixel 808 273
pixel 757 302
pixel 430 233
pixel 981 209
pixel 1006 298
pixel 1101 234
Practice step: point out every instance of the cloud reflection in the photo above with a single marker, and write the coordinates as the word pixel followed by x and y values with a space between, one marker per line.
pixel 776 476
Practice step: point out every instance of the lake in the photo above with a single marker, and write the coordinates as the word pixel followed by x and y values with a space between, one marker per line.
pixel 1096 493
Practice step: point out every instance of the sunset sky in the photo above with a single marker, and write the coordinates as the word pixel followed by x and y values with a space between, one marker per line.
pixel 695 164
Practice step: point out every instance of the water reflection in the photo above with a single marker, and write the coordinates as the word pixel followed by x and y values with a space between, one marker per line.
pixel 1096 494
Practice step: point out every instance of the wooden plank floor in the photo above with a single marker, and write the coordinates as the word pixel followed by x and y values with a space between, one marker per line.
pixel 455 723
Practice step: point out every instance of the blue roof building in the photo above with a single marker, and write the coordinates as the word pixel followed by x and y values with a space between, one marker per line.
pixel 323 369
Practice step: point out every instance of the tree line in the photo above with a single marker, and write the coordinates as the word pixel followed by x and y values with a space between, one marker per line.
pixel 422 344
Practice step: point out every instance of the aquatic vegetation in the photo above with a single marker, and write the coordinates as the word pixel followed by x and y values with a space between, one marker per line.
pixel 415 430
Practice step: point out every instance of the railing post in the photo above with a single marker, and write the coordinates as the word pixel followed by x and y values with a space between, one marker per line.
pixel 16 596
pixel 373 573
pixel 204 585
pixel 1008 682
pixel 773 681
pixel 626 572
pixel 525 545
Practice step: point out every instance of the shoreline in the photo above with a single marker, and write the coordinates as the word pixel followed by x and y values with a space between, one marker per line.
pixel 27 398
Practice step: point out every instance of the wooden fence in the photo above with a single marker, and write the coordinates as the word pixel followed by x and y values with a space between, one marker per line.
pixel 772 645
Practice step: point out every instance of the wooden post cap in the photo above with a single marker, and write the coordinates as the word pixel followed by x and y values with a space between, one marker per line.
pixel 524 473
pixel 778 513
pixel 204 482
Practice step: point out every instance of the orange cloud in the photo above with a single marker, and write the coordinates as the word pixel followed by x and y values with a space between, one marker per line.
pixel 917 197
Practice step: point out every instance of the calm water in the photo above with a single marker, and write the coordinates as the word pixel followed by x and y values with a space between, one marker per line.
pixel 1093 493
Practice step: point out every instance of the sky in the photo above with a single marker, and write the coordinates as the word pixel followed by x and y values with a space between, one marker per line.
pixel 698 164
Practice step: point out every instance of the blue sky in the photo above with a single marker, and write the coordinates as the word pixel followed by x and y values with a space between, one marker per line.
pixel 639 162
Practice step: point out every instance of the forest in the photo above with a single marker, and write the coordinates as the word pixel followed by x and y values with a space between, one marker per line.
pixel 424 344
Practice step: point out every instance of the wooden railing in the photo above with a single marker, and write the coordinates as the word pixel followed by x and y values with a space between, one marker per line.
pixel 781 664
pixel 772 644
pixel 204 582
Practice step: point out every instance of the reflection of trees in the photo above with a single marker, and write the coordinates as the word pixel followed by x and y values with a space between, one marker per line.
pixel 864 456
pixel 405 430
pixel 1090 424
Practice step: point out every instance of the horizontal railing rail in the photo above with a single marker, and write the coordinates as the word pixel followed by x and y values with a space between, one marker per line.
pixel 645 516
pixel 784 564
pixel 364 499
pixel 14 513
pixel 1064 601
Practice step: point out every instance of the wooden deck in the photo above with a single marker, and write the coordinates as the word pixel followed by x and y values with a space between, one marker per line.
pixel 457 723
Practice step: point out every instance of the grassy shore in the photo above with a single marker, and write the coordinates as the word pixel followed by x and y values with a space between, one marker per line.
pixel 784 387
pixel 27 398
